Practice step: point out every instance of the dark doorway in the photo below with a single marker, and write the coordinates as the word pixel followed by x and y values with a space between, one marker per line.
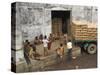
pixel 60 21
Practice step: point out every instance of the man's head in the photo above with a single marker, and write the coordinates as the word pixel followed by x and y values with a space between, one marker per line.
pixel 45 37
pixel 26 41
pixel 61 44
pixel 69 40
pixel 36 38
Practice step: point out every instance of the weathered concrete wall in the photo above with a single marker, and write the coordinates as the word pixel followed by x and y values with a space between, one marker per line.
pixel 34 19
pixel 85 13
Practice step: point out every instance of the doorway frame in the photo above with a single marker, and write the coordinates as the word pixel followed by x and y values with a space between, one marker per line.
pixel 69 26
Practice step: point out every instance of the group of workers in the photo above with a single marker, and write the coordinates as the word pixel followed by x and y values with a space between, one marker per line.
pixel 30 48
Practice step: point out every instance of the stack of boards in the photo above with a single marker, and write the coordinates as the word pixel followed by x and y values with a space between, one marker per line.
pixel 84 31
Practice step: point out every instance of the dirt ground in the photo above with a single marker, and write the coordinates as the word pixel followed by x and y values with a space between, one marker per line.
pixel 54 46
pixel 85 61
pixel 82 62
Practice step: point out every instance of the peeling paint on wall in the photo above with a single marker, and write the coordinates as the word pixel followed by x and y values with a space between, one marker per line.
pixel 35 19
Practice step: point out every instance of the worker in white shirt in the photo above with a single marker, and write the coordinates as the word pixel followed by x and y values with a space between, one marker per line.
pixel 45 44
pixel 69 47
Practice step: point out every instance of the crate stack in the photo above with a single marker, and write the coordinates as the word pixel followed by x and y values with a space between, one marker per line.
pixel 92 33
pixel 84 31
pixel 79 31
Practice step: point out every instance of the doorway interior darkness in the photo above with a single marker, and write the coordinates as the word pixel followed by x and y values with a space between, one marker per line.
pixel 60 21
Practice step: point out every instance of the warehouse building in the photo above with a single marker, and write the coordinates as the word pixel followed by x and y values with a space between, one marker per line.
pixel 33 19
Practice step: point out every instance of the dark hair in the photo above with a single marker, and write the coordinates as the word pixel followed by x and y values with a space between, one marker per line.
pixel 61 44
pixel 41 36
pixel 50 34
pixel 69 40
pixel 30 45
pixel 36 37
pixel 26 41
pixel 45 37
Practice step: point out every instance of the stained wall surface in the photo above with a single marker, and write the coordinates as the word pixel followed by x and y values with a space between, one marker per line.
pixel 33 19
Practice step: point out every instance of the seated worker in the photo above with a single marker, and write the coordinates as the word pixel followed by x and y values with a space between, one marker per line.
pixel 36 40
pixel 40 38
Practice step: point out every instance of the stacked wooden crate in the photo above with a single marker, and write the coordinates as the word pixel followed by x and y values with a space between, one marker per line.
pixel 92 33
pixel 79 31
pixel 84 31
